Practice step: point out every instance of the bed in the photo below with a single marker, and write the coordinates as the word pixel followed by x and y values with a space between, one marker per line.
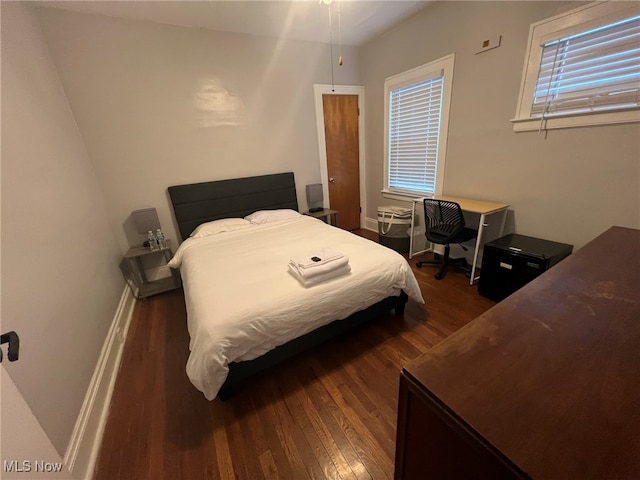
pixel 245 310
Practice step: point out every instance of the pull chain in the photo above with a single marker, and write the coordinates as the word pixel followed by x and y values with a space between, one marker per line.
pixel 339 34
pixel 331 47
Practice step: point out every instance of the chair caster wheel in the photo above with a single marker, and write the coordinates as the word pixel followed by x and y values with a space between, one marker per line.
pixel 418 264
pixel 438 276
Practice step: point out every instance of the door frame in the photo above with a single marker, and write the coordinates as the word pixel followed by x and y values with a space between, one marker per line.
pixel 318 91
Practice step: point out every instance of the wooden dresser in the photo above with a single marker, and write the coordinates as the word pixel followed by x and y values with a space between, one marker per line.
pixel 545 385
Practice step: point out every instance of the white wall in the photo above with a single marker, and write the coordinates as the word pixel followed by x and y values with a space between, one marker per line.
pixel 158 105
pixel 568 187
pixel 161 105
pixel 60 279
pixel 23 442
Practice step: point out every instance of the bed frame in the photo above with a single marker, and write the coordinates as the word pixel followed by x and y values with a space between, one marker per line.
pixel 197 203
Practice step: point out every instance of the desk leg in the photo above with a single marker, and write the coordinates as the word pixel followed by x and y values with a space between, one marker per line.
pixel 503 223
pixel 412 253
pixel 413 222
pixel 481 226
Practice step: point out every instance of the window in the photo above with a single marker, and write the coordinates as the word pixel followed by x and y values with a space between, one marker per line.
pixel 416 121
pixel 582 68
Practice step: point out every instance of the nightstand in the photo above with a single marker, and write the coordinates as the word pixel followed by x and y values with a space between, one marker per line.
pixel 326 214
pixel 133 270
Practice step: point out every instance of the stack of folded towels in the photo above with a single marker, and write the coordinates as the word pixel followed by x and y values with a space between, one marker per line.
pixel 319 266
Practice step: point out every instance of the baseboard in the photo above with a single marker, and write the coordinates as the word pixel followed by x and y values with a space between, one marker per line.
pixel 371 224
pixel 456 251
pixel 82 452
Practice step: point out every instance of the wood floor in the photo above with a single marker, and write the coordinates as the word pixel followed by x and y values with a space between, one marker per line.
pixel 330 414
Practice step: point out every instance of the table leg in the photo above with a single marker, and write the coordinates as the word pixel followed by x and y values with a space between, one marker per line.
pixel 481 226
pixel 413 220
pixel 504 221
pixel 141 272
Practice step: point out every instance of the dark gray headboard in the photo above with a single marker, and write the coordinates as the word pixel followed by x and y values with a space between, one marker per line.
pixel 197 203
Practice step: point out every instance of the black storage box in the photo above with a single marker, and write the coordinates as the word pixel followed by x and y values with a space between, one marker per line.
pixel 512 261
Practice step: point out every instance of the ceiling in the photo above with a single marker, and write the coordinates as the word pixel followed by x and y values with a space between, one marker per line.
pixel 353 22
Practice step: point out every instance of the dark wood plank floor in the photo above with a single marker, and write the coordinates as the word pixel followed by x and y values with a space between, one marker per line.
pixel 330 414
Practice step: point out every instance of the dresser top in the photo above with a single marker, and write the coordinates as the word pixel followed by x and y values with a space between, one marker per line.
pixel 551 376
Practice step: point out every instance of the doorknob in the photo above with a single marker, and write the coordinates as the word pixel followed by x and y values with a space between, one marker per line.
pixel 332 180
pixel 13 350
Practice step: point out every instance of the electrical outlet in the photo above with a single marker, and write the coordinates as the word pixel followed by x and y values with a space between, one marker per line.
pixel 490 43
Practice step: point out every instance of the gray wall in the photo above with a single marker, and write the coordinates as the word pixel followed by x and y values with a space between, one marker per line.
pixel 60 279
pixel 160 105
pixel 157 105
pixel 568 186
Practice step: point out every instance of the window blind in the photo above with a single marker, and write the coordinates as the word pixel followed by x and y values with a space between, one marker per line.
pixel 593 71
pixel 414 130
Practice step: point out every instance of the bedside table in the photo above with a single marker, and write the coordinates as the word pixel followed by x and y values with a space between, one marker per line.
pixel 133 271
pixel 326 214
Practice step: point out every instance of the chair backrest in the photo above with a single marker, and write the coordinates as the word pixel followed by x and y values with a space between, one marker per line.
pixel 444 220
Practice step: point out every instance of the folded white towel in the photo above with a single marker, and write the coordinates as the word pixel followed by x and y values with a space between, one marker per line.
pixel 310 282
pixel 317 258
pixel 320 268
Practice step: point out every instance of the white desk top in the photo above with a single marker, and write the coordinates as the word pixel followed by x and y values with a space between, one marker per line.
pixel 470 205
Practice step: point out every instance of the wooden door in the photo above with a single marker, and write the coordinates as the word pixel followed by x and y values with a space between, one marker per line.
pixel 343 156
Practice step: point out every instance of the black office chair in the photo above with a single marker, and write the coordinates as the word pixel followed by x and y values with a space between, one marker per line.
pixel 445 225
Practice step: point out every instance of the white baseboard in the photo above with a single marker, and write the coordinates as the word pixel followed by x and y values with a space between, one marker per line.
pixel 82 452
pixel 456 251
pixel 371 224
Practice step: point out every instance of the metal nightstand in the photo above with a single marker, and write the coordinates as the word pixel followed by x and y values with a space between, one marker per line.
pixel 326 214
pixel 133 271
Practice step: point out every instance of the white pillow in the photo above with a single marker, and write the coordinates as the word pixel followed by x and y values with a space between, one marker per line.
pixel 265 216
pixel 217 226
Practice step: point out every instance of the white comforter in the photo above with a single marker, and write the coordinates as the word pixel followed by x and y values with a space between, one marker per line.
pixel 242 301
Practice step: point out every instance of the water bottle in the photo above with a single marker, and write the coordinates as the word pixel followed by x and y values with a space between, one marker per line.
pixel 162 243
pixel 153 241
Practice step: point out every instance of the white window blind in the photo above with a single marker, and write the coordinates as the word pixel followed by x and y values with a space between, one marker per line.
pixel 414 129
pixel 592 71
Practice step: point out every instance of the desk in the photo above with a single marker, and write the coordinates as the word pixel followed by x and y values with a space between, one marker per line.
pixel 478 207
pixel 544 385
